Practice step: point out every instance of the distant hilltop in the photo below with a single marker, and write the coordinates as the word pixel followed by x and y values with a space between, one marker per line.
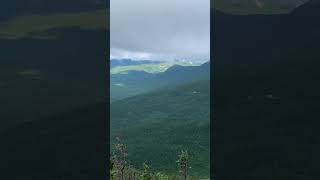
pixel 123 66
pixel 130 62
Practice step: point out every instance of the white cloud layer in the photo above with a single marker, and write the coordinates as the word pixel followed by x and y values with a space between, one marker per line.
pixel 160 29
pixel 124 54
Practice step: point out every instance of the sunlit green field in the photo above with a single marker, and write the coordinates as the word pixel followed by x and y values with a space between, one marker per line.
pixel 149 68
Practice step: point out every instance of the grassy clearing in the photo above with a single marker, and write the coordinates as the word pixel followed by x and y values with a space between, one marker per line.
pixel 149 68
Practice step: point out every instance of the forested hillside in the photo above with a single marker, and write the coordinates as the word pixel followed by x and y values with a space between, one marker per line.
pixel 156 126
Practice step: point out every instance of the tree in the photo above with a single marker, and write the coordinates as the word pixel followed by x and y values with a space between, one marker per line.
pixel 183 164
pixel 119 158
pixel 146 174
pixel 112 170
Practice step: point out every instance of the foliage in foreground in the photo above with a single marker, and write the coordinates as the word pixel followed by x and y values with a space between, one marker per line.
pixel 120 169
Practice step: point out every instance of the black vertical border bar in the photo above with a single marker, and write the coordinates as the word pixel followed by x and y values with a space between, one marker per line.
pixel 107 59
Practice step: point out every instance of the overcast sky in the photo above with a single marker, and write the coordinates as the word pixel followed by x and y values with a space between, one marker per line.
pixel 160 29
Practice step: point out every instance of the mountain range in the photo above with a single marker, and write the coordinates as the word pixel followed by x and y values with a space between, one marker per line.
pixel 129 62
pixel 158 113
pixel 136 82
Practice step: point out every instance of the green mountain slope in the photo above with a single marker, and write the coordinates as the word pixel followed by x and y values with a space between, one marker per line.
pixel 138 82
pixel 158 125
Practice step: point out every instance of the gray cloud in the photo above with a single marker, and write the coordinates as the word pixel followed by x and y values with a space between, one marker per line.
pixel 160 29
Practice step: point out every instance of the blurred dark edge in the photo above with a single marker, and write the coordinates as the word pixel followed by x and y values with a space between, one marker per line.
pixel 54 95
pixel 265 102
